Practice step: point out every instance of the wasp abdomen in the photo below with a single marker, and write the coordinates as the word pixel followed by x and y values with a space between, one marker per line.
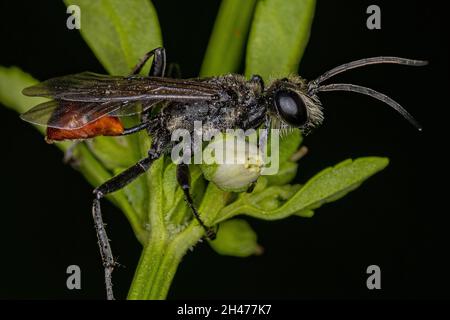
pixel 105 126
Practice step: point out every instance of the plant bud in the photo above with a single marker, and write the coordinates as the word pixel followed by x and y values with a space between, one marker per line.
pixel 232 163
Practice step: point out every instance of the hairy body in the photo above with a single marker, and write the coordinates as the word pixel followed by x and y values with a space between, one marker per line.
pixel 239 106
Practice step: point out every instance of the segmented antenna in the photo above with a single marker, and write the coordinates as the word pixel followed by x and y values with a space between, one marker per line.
pixel 366 62
pixel 314 86
pixel 374 94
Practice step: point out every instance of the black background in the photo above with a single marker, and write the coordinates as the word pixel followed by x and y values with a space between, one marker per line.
pixel 395 220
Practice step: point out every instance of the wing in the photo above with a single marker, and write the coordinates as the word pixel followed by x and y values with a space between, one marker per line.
pixel 72 115
pixel 82 98
pixel 92 87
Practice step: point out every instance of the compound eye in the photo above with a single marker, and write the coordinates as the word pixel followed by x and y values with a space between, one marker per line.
pixel 291 107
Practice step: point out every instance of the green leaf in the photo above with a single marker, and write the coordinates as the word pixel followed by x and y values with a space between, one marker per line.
pixel 286 173
pixel 326 186
pixel 289 144
pixel 236 238
pixel 278 37
pixel 170 186
pixel 114 152
pixel 261 203
pixel 119 32
pixel 213 201
pixel 227 41
pixel 136 194
pixel 12 81
pixel 333 183
pixel 155 214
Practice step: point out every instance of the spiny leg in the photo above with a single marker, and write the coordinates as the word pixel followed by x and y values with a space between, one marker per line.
pixel 105 248
pixel 256 78
pixel 252 186
pixel 114 184
pixel 136 128
pixel 173 71
pixel 158 67
pixel 183 178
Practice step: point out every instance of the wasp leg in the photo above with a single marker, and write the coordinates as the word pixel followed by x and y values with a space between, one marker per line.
pixel 251 187
pixel 174 71
pixel 258 80
pixel 158 67
pixel 69 156
pixel 139 127
pixel 183 178
pixel 114 184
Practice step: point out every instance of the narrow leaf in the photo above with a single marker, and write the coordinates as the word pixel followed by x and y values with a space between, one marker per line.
pixel 12 81
pixel 227 41
pixel 326 186
pixel 119 32
pixel 289 144
pixel 114 152
pixel 333 183
pixel 286 173
pixel 278 37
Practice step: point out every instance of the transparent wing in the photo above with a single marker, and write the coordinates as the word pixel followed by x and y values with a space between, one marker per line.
pixel 82 98
pixel 133 108
pixel 74 114
pixel 92 87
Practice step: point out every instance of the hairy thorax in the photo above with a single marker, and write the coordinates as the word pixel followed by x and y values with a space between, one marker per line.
pixel 237 108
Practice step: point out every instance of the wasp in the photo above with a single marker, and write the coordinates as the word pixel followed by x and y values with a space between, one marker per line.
pixel 86 105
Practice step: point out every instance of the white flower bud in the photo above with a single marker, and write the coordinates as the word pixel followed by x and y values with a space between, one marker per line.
pixel 232 164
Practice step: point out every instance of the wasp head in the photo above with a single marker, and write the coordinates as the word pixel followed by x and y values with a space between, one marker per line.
pixel 294 101
pixel 291 105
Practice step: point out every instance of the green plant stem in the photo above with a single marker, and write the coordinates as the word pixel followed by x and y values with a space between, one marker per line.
pixel 162 255
pixel 227 41
pixel 147 268
pixel 159 262
pixel 175 251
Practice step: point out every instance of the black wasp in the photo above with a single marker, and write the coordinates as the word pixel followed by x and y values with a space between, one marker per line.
pixel 86 105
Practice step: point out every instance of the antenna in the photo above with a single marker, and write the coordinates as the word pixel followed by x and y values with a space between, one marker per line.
pixel 374 94
pixel 366 62
pixel 314 86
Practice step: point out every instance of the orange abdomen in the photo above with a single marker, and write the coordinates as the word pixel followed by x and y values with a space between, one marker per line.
pixel 105 126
